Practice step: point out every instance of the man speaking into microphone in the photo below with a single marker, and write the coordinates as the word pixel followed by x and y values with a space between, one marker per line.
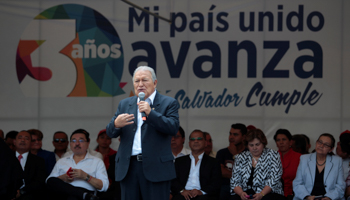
pixel 144 162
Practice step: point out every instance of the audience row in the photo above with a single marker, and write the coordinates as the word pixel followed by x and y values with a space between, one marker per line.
pixel 246 169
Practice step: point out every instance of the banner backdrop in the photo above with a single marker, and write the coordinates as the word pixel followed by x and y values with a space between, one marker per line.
pixel 272 64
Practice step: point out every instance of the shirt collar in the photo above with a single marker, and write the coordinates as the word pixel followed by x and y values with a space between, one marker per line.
pixel 153 95
pixel 151 98
pixel 87 155
pixel 25 155
pixel 199 157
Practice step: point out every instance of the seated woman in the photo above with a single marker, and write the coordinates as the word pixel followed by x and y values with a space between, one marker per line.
pixel 290 159
pixel 257 172
pixel 320 175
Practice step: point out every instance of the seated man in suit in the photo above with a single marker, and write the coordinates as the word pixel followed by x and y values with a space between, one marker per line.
pixel 11 173
pixel 33 168
pixel 198 176
pixel 177 144
pixel 88 173
pixel 48 156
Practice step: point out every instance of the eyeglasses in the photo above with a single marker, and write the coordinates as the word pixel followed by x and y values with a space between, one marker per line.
pixel 323 144
pixel 198 138
pixel 34 140
pixel 59 139
pixel 80 141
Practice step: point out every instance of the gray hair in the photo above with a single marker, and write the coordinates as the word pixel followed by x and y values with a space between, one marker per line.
pixel 145 68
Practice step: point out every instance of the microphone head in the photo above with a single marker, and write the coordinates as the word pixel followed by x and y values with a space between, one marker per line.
pixel 142 96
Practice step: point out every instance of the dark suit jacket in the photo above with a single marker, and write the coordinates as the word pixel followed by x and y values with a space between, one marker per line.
pixel 11 173
pixel 209 175
pixel 156 132
pixel 50 160
pixel 34 176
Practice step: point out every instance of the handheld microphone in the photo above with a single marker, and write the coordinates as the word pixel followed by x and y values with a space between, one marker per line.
pixel 142 98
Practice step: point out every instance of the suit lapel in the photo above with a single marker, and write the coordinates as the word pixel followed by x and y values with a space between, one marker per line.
pixel 133 109
pixel 202 167
pixel 186 169
pixel 154 106
pixel 156 102
pixel 327 168
pixel 27 167
pixel 312 167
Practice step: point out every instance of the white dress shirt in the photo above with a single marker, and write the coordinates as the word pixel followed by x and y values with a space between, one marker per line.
pixel 23 162
pixel 136 147
pixel 212 154
pixel 193 177
pixel 90 164
pixel 23 159
pixel 91 152
pixel 183 152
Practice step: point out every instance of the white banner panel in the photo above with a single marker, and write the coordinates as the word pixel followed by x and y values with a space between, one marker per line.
pixel 272 64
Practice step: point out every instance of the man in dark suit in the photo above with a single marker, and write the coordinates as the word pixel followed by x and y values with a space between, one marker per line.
pixel 11 173
pixel 33 167
pixel 144 162
pixel 35 148
pixel 198 175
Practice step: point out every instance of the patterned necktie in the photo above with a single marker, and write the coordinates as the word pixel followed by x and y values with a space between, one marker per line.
pixel 19 158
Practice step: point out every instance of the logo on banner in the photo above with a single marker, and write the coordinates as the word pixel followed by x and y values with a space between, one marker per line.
pixel 70 50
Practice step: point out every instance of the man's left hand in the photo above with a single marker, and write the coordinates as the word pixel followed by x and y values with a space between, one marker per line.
pixel 78 173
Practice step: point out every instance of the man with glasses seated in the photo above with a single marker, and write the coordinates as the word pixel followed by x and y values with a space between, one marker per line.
pixel 79 175
pixel 32 185
pixel 60 142
pixel 69 152
pixel 198 175
pixel 177 144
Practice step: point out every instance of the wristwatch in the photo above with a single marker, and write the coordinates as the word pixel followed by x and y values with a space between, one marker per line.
pixel 181 191
pixel 87 177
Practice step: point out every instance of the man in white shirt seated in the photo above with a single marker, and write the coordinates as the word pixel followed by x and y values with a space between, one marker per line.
pixel 198 176
pixel 60 142
pixel 88 173
pixel 177 144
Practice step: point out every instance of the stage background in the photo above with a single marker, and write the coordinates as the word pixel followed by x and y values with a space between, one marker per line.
pixel 304 54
